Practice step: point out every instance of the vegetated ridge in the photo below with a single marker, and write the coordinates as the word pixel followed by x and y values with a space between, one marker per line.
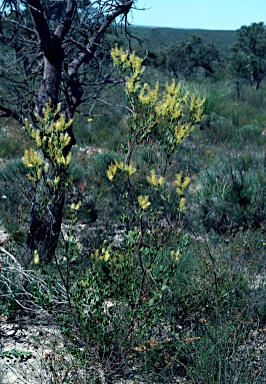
pixel 155 37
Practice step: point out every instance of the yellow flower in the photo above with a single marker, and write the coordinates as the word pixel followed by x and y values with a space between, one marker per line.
pixel 144 202
pixel 130 169
pixel 60 123
pixel 32 159
pixel 46 167
pixel 153 179
pixel 175 255
pixel 182 131
pixel 38 174
pixel 64 139
pixel 38 138
pixel 90 119
pixel 181 186
pixel 130 85
pixel 84 283
pixel 68 159
pixel 56 180
pixel 111 171
pixel 75 207
pixel 182 204
pixel 106 254
pixel 120 165
pixel 36 259
pixel 147 96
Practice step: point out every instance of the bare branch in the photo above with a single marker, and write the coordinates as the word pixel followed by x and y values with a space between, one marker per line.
pixel 41 24
pixel 7 112
pixel 63 28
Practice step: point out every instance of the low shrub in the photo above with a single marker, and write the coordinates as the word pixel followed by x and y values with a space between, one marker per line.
pixel 230 196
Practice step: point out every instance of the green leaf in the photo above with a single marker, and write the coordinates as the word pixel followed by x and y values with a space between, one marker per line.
pixel 151 301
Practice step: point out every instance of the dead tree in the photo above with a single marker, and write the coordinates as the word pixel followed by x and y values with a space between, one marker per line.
pixel 53 51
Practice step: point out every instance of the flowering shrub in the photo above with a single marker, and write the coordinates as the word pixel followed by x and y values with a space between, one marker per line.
pixel 151 194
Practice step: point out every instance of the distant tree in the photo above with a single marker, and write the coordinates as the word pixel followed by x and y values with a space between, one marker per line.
pixel 239 67
pixel 248 58
pixel 51 52
pixel 157 58
pixel 187 56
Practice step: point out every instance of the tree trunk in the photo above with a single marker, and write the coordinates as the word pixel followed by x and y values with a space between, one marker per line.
pixel 47 209
pixel 46 224
pixel 49 89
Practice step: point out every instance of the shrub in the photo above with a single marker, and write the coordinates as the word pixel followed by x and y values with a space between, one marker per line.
pixel 231 196
pixel 15 199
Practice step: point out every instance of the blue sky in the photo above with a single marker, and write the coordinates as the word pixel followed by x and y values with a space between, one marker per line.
pixel 202 14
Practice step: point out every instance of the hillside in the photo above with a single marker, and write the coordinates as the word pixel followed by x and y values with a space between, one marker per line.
pixel 152 37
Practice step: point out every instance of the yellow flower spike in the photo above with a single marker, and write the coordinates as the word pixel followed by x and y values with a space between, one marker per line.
pixel 46 167
pixel 56 180
pixel 120 165
pixel 31 158
pixel 68 159
pixel 148 96
pixel 182 131
pixel 38 138
pixel 60 123
pixel 144 202
pixel 182 204
pixel 131 86
pixel 36 258
pixel 50 182
pixel 58 109
pixel 26 160
pixel 44 139
pixel 31 177
pixel 106 254
pixel 111 171
pixel 186 182
pixel 181 186
pixel 39 174
pixel 130 169
pixel 67 139
pixel 175 255
pixel 153 180
pixel 178 179
pixel 64 139
pixel 123 55
pixel 75 207
pixel 84 283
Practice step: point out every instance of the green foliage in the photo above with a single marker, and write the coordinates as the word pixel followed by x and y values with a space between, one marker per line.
pixel 193 55
pixel 13 140
pixel 154 38
pixel 15 199
pixel 233 196
pixel 248 53
pixel 52 139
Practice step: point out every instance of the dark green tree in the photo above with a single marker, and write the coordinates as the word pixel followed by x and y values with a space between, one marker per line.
pixel 239 68
pixel 51 52
pixel 248 59
pixel 188 56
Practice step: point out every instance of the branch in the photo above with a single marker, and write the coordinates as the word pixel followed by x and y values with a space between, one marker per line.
pixel 41 24
pixel 96 38
pixel 64 26
pixel 7 112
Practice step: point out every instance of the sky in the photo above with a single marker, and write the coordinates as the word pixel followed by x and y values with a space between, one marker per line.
pixel 199 14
